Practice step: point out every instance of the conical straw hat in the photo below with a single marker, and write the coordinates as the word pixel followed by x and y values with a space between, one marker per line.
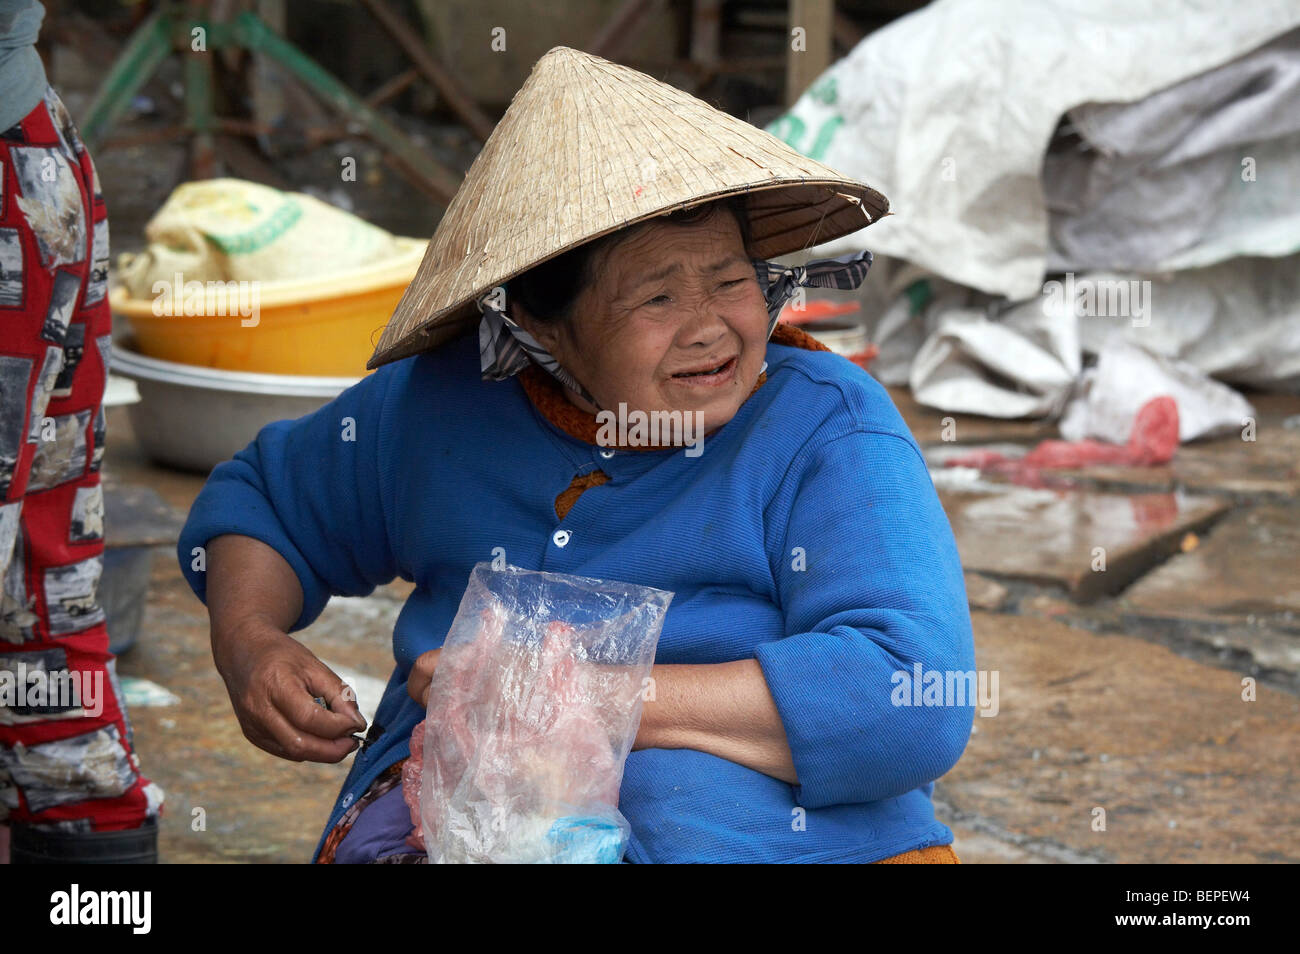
pixel 588 147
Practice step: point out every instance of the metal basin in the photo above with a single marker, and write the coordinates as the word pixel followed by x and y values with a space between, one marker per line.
pixel 194 418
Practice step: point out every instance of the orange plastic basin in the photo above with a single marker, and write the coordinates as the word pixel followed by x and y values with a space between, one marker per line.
pixel 322 326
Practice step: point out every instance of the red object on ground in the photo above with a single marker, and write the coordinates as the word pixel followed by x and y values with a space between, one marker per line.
pixel 1153 441
pixel 1155 432
pixel 865 356
pixel 816 311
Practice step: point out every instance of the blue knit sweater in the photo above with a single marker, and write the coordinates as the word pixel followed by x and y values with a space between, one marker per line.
pixel 807 535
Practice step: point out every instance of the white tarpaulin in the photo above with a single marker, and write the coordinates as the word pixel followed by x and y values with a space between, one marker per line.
pixel 1127 377
pixel 1147 155
pixel 950 110
pixel 1020 362
pixel 1201 172
pixel 964 351
pixel 1238 321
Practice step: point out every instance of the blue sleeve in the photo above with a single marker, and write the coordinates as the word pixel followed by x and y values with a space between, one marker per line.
pixel 313 489
pixel 880 590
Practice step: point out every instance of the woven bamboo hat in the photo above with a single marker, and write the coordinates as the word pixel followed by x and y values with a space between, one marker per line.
pixel 588 147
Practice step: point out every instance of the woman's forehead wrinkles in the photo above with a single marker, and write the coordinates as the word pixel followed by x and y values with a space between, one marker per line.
pixel 725 263
pixel 638 280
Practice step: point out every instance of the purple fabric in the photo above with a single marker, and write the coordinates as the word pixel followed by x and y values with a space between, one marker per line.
pixel 379 830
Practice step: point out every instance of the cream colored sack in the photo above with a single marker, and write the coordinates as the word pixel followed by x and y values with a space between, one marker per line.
pixel 232 230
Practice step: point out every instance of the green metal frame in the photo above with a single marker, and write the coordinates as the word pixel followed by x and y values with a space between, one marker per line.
pixel 169 29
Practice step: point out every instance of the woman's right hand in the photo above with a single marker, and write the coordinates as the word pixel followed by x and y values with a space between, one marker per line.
pixel 273 681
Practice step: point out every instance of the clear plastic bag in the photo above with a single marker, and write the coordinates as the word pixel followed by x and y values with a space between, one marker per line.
pixel 532 711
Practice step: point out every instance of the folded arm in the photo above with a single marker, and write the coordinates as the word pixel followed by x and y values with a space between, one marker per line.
pixel 724 709
pixel 870 584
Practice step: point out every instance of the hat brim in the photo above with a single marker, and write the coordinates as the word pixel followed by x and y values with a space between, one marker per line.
pixel 784 217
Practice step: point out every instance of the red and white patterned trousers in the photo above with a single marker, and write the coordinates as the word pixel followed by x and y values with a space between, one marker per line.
pixel 66 759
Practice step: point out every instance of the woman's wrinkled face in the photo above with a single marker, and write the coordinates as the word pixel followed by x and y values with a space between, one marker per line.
pixel 674 321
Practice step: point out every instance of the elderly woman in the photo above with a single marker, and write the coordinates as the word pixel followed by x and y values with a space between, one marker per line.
pixel 611 258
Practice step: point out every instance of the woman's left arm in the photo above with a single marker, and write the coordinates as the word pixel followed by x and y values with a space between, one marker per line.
pixel 724 709
pixel 871 586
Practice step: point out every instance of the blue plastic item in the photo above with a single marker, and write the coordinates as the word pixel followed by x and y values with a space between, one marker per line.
pixel 587 841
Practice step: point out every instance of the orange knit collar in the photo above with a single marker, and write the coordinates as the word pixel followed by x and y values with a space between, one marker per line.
pixel 547 394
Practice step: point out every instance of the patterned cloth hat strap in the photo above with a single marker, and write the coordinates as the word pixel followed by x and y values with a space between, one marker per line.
pixel 781 282
pixel 505 348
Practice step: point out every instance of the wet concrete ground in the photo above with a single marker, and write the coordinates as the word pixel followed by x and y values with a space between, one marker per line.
pixel 1147 703
pixel 1148 649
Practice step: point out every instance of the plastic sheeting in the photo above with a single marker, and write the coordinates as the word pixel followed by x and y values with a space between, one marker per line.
pixel 1020 362
pixel 532 711
pixel 950 111
pixel 966 352
pixel 1238 321
pixel 1019 140
pixel 1204 171
pixel 1127 377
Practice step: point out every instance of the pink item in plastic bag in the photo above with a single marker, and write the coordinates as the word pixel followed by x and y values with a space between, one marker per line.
pixel 411 770
pixel 466 674
pixel 532 711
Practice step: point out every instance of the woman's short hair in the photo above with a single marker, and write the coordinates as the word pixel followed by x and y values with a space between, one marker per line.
pixel 548 291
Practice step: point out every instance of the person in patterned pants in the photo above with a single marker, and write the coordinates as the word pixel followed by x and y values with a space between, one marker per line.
pixel 70 783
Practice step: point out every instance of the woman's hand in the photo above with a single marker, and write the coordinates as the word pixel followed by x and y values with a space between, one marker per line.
pixel 273 681
pixel 417 684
